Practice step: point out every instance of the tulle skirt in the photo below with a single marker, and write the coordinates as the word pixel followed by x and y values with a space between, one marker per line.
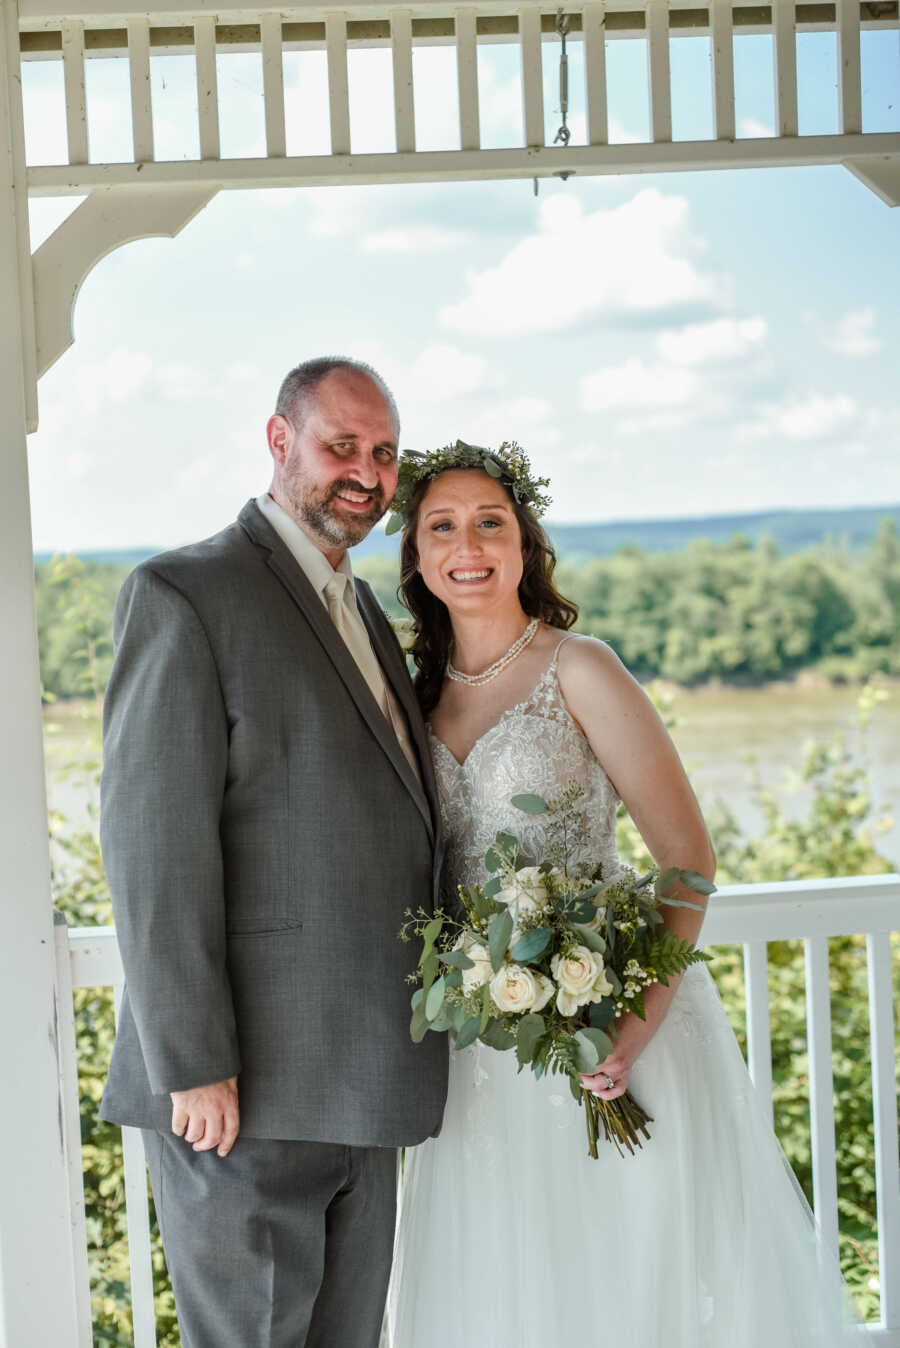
pixel 509 1236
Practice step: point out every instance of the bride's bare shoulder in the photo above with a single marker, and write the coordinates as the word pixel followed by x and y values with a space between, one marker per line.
pixel 590 671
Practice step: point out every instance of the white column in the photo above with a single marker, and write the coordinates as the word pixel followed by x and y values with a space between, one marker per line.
pixel 37 1289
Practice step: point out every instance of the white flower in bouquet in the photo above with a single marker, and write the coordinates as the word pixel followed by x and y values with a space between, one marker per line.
pixel 515 988
pixel 581 978
pixel 480 972
pixel 530 892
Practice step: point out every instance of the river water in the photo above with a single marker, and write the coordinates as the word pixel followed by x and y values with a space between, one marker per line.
pixel 717 730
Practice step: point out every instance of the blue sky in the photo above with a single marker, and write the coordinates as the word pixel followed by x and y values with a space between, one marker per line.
pixel 662 345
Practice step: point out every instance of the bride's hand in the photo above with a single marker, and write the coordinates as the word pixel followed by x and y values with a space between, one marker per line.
pixel 615 1068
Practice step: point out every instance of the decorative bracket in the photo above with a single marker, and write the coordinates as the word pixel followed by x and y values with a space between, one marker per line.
pixel 107 219
pixel 881 173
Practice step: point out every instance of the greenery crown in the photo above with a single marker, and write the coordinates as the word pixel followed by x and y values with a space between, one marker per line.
pixel 508 464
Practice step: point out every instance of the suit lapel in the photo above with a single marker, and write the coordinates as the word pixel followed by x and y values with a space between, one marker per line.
pixel 286 569
pixel 392 662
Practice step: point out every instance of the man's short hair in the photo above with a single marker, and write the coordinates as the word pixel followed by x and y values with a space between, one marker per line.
pixel 297 394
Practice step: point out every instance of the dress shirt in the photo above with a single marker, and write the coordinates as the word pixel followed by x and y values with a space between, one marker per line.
pixel 334 587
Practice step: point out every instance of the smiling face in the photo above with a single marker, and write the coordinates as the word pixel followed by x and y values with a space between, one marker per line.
pixel 469 542
pixel 336 469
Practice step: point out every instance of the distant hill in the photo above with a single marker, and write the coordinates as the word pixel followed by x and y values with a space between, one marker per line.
pixel 791 530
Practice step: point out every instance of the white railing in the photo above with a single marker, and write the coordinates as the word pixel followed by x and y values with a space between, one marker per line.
pixel 87 29
pixel 751 915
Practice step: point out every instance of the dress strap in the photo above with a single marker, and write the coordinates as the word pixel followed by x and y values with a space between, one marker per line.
pixel 562 641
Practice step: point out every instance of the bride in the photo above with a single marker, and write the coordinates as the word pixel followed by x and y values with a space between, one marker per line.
pixel 508 1235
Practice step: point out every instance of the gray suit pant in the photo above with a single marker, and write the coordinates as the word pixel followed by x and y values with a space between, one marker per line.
pixel 277 1245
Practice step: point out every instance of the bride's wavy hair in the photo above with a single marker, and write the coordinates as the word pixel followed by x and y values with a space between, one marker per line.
pixel 538 595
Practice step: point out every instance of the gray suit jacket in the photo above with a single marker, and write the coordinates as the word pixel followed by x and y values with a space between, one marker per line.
pixel 263 834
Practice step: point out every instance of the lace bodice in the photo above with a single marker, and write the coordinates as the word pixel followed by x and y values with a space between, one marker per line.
pixel 536 746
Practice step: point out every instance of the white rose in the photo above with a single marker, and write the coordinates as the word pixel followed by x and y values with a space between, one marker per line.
pixel 581 978
pixel 480 972
pixel 529 894
pixel 515 988
pixel 545 991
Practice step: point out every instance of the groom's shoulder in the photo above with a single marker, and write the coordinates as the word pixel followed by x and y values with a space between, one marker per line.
pixel 211 560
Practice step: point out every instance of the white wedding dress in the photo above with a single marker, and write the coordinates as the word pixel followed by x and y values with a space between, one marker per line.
pixel 509 1236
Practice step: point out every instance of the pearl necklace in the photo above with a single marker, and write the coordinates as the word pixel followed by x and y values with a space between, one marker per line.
pixel 518 646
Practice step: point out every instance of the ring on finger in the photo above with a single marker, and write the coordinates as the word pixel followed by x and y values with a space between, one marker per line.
pixel 609 1081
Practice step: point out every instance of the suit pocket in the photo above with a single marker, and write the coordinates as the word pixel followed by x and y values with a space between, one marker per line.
pixel 259 928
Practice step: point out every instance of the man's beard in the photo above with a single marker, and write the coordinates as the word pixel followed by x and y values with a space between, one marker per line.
pixel 336 530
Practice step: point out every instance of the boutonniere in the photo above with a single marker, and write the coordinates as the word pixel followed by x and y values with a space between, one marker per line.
pixel 405 632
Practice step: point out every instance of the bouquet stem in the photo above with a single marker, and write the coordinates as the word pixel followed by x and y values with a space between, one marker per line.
pixel 622 1122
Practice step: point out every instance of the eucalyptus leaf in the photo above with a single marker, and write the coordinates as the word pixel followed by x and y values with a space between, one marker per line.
pixel 586 1055
pixel 577 1089
pixel 531 1027
pixel 508 843
pixel 602 1042
pixel 698 883
pixel 532 945
pixel 529 803
pixel 429 937
pixel 469 1032
pixel 592 939
pixel 667 878
pixel 499 932
pixel 417 998
pixel 581 913
pixel 454 978
pixel 493 887
pixel 492 859
pixel 495 1036
pixel 492 467
pixel 485 1006
pixel 435 998
pixel 418 1026
pixel 394 525
pixel 683 903
pixel 586 894
pixel 458 959
pixel 602 1014
pixel 429 973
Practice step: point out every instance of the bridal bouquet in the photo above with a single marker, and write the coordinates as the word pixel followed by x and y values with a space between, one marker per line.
pixel 545 957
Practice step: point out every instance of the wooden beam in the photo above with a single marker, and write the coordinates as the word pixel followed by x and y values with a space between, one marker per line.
pixel 467 79
pixel 207 87
pixel 785 53
pixel 593 28
pixel 721 23
pixel 660 72
pixel 76 97
pixel 141 95
pixel 338 83
pixel 875 148
pixel 404 102
pixel 532 76
pixel 273 84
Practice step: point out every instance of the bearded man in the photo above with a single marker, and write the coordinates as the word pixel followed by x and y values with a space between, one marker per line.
pixel 268 813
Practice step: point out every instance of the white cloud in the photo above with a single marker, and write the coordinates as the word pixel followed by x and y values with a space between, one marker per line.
pixel 723 339
pixel 632 259
pixel 415 239
pixel 751 128
pixel 854 334
pixel 442 371
pixel 526 419
pixel 637 384
pixel 814 417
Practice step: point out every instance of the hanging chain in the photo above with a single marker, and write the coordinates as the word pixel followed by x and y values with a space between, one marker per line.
pixel 562 27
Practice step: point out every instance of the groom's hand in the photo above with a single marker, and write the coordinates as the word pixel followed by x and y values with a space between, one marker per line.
pixel 207 1116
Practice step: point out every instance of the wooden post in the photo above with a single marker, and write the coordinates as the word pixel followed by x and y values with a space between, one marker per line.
pixel 37 1281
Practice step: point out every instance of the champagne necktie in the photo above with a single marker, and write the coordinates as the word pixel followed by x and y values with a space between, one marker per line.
pixel 352 631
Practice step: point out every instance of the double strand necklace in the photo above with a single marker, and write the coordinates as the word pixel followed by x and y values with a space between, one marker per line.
pixel 518 646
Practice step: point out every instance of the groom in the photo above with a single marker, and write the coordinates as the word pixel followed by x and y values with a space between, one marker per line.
pixel 268 812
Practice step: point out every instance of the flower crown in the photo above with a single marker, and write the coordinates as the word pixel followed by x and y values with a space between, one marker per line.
pixel 508 464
